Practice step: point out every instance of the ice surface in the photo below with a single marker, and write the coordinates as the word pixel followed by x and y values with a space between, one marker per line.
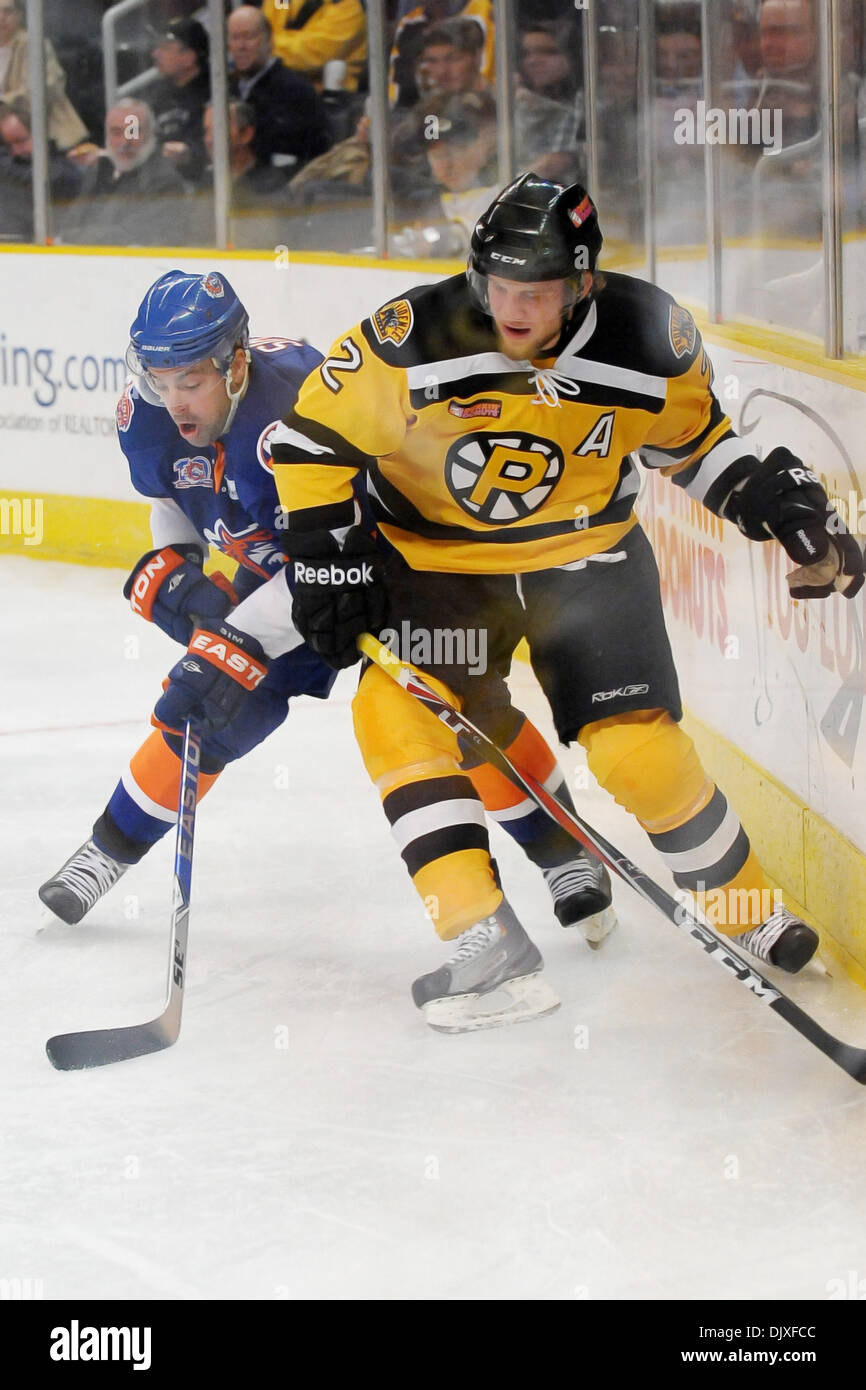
pixel 309 1136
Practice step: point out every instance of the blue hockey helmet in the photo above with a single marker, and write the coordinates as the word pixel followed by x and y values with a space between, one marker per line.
pixel 184 319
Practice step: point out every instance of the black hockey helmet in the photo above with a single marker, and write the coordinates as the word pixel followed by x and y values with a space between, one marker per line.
pixel 535 230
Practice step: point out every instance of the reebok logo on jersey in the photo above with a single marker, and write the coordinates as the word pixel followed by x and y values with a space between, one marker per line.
pixel 623 691
pixel 333 574
pixel 490 409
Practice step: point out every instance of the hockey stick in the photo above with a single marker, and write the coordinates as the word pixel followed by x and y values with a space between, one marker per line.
pixel 99 1046
pixel 850 1059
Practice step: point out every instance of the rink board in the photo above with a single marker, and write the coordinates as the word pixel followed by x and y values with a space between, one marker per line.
pixel 777 688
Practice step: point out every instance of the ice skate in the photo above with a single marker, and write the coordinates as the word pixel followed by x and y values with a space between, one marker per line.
pixel 783 940
pixel 491 979
pixel 83 880
pixel 581 895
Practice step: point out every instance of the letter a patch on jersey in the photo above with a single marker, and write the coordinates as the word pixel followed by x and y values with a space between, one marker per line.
pixel 682 331
pixel 393 322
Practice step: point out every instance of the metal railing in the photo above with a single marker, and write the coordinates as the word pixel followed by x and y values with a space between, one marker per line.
pixel 110 21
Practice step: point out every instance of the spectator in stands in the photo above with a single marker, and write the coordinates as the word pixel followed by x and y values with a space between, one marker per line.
pixel 16 174
pixel 252 183
pixel 450 58
pixel 450 62
pixel 132 195
pixel 549 103
pixel 679 50
pixel 65 127
pixel 744 55
pixel 410 34
pixel 180 93
pixel 74 27
pixel 343 169
pixel 679 168
pixel 550 61
pixel 458 135
pixel 290 122
pixel 308 35
pixel 788 183
pixel 789 79
pixel 618 142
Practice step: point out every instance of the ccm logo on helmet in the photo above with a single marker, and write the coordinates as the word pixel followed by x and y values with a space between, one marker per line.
pixel 623 691
pixel 509 260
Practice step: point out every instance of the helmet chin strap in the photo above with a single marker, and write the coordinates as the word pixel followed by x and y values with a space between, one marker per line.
pixel 235 397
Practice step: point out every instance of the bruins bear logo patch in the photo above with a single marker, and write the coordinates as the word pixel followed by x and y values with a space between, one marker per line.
pixel 393 322
pixel 682 331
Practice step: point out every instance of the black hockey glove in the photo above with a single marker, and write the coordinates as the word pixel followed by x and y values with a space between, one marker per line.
pixel 784 499
pixel 209 684
pixel 338 593
pixel 169 587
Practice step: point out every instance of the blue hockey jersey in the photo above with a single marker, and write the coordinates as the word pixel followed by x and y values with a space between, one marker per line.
pixel 226 491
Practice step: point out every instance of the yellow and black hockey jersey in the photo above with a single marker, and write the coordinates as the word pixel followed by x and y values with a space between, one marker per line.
pixel 478 463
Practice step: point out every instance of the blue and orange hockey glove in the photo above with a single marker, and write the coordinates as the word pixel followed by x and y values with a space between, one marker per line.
pixel 210 683
pixel 169 587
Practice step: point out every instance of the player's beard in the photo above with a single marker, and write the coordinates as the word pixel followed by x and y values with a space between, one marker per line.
pixel 536 345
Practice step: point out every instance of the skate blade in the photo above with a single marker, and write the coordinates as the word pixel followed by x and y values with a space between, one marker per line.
pixel 514 1001
pixel 596 928
pixel 48 920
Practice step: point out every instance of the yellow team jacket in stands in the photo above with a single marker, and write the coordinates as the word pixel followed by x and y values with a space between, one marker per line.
pixel 477 463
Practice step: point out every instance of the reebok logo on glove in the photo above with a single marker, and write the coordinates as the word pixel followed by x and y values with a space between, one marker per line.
pixel 333 574
pixel 801 476
pixel 226 656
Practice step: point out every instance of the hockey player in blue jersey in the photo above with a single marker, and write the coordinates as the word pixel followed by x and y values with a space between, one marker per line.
pixel 194 423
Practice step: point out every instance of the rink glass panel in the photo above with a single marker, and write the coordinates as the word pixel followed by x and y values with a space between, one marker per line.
pixel 773 252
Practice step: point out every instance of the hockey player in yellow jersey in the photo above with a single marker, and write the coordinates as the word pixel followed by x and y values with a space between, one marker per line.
pixel 495 415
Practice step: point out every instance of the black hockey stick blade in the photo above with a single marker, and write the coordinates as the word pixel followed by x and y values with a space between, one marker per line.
pixel 851 1059
pixel 99 1047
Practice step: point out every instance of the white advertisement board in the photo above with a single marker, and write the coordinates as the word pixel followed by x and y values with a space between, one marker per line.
pixel 784 681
